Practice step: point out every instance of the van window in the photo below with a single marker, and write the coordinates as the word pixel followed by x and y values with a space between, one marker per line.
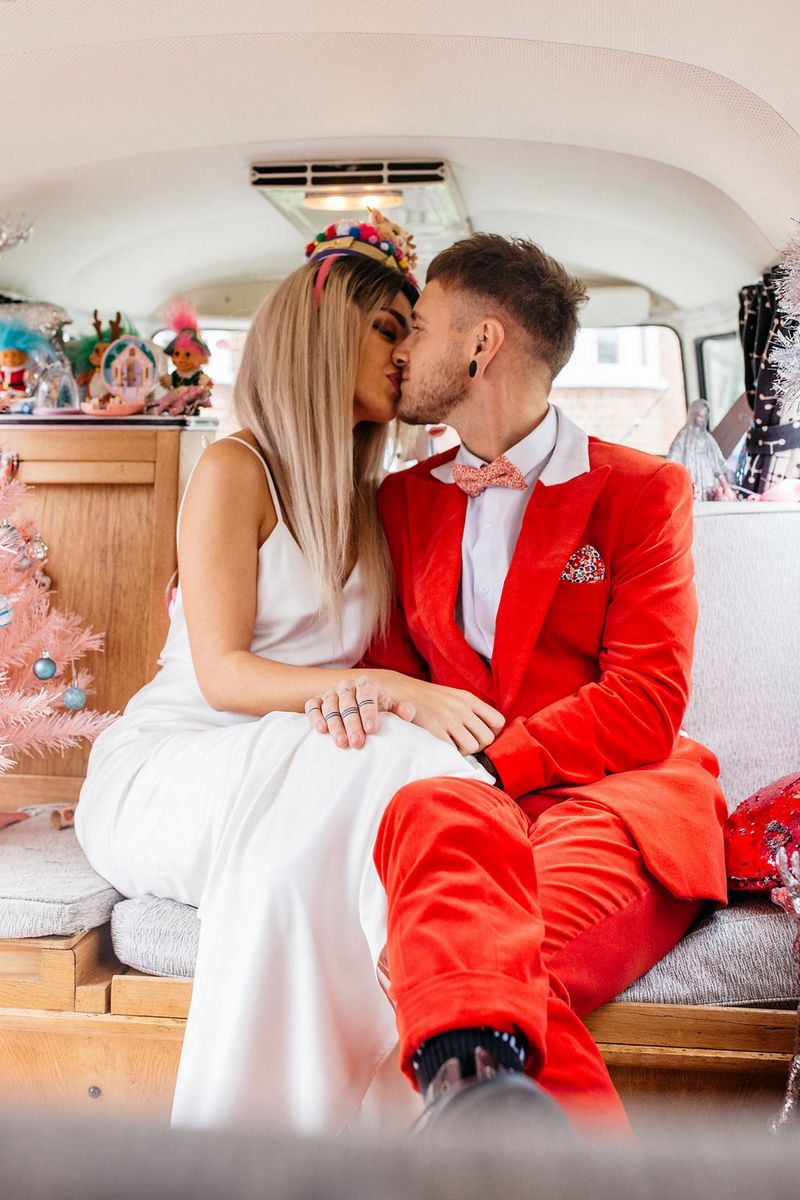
pixel 625 384
pixel 720 372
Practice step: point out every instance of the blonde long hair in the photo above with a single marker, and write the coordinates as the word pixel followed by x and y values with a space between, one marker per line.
pixel 295 391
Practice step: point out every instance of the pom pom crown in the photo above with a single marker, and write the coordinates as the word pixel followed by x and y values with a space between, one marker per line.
pixel 377 238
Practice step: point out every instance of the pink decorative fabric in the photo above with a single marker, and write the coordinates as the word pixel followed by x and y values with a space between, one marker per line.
pixel 500 473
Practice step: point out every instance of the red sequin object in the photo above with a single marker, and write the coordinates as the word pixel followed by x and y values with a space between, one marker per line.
pixel 755 832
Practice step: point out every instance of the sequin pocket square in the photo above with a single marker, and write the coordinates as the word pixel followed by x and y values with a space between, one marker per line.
pixel 584 566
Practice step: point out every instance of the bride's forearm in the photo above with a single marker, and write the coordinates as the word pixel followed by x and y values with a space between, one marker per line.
pixel 243 682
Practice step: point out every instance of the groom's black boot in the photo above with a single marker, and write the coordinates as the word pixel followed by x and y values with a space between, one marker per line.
pixel 491 1096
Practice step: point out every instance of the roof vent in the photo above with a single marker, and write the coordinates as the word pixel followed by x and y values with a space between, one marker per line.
pixel 422 194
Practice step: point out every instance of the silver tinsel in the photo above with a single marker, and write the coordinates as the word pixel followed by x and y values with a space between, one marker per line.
pixel 14 231
pixel 785 357
pixel 785 352
pixel 787 277
pixel 34 314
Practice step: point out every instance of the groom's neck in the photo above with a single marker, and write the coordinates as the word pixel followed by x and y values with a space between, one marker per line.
pixel 495 418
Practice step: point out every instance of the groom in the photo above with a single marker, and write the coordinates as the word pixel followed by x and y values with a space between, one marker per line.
pixel 550 574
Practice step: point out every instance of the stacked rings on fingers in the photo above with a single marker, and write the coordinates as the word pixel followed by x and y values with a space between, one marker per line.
pixel 364 703
pixel 348 712
pixel 329 716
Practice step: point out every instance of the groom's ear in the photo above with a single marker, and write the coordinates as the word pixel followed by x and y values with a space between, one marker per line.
pixel 489 336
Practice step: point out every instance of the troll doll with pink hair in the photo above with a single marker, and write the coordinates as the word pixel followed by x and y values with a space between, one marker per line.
pixel 188 386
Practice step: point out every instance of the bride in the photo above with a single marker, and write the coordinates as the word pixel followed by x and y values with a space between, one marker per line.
pixel 211 788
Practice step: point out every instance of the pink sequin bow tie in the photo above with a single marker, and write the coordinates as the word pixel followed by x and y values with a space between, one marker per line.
pixel 500 473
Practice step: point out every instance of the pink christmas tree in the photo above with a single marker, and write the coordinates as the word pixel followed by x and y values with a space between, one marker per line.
pixel 42 690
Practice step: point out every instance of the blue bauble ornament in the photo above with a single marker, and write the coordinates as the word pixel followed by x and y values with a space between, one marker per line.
pixel 44 667
pixel 6 612
pixel 74 697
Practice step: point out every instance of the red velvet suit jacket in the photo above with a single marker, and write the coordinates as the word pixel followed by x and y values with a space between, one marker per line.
pixel 593 678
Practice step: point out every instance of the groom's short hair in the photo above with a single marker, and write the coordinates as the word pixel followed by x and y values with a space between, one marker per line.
pixel 535 290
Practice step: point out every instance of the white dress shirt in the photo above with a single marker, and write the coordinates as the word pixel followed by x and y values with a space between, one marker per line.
pixel 555 451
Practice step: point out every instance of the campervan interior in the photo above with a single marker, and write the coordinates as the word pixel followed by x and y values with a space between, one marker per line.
pixel 191 151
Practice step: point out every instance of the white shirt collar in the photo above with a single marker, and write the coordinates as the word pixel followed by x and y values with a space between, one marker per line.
pixel 556 441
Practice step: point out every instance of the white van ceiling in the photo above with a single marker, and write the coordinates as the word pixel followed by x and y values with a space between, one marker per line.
pixel 643 143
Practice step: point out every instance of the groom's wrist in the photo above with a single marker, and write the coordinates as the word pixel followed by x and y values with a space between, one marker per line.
pixel 483 759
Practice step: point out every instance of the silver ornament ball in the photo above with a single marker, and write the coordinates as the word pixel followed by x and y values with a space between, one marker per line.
pixel 44 667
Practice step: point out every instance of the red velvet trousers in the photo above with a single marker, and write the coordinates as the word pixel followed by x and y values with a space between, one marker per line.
pixel 497 919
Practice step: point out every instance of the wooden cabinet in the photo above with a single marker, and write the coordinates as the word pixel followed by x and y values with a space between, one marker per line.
pixel 105 500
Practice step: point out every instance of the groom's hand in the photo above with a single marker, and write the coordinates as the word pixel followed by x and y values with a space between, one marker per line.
pixel 351 711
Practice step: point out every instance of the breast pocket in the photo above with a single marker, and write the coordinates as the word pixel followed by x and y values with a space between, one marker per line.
pixel 581 595
pixel 577 615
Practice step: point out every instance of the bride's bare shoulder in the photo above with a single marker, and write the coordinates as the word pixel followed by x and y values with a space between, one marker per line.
pixel 230 478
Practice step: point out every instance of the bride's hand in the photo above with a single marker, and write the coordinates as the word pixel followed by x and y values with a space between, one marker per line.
pixel 350 711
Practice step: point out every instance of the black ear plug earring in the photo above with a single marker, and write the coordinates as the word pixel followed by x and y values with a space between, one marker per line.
pixel 473 368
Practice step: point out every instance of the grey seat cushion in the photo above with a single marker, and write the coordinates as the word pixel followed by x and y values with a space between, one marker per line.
pixel 159 937
pixel 46 883
pixel 740 955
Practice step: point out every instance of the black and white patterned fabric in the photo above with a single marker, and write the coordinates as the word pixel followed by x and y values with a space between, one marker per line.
pixel 772 447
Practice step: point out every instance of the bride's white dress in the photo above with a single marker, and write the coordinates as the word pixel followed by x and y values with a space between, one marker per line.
pixel 268 829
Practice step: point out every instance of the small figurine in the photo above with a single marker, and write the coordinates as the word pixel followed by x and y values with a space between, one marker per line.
pixel 92 381
pixel 188 386
pixel 23 354
pixel 57 390
pixel 129 370
pixel 699 452
pixel 397 236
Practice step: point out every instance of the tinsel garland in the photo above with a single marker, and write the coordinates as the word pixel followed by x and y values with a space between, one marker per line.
pixel 14 231
pixel 785 353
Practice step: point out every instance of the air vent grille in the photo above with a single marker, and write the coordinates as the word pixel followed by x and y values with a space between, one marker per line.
pixel 372 173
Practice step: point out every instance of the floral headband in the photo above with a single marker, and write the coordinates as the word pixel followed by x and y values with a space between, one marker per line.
pixel 377 238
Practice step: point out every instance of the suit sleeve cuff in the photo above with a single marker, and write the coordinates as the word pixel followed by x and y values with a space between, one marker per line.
pixel 517 757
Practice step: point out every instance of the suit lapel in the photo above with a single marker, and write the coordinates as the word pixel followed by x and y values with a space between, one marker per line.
pixel 554 521
pixel 437 513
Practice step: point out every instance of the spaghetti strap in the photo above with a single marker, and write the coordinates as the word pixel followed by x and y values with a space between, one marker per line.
pixel 267 472
pixel 270 483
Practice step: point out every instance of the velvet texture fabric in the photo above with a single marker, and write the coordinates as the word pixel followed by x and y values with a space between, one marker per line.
pixel 593 678
pixel 494 919
pixel 527 908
